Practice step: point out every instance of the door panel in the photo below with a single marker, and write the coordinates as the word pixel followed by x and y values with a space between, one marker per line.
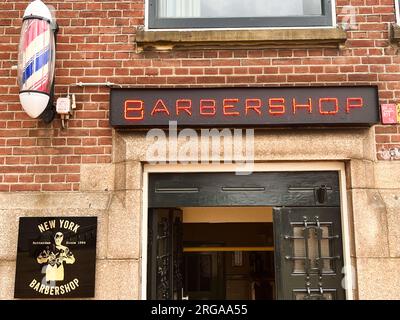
pixel 308 253
pixel 290 189
pixel 165 254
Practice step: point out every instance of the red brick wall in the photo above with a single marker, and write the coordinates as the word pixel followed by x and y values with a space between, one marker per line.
pixel 96 44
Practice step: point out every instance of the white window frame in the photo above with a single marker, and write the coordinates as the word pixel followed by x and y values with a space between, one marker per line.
pixel 397 5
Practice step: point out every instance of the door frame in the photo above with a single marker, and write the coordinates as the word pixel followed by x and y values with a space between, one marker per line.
pixel 257 167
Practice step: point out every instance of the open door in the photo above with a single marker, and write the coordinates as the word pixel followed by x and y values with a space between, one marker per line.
pixel 308 253
pixel 165 252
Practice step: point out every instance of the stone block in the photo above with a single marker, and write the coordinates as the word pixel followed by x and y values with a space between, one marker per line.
pixel 370 224
pixel 117 280
pixel 387 174
pixel 7 278
pixel 97 177
pixel 392 202
pixel 128 176
pixel 272 145
pixel 378 278
pixel 124 225
pixel 360 174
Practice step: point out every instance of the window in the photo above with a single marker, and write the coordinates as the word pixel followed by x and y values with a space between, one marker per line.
pixel 397 2
pixel 181 14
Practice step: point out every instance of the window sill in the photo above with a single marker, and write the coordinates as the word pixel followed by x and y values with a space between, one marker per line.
pixel 235 39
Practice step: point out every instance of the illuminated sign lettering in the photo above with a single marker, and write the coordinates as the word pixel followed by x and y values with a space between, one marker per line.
pixel 245 107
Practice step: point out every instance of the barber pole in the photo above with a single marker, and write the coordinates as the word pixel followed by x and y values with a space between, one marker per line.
pixel 36 62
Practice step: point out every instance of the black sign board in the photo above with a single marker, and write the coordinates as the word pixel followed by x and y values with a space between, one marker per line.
pixel 56 257
pixel 245 107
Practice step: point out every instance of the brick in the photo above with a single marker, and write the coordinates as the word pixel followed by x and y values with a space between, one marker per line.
pixel 362 77
pixel 302 78
pixel 256 62
pixel 6 151
pixel 331 78
pixel 43 159
pixel 211 79
pixel 57 187
pixel 271 78
pixel 4 188
pixel 180 80
pixel 225 62
pixel 42 169
pixel 72 178
pixel 101 132
pixel 58 160
pixel 385 129
pixel 42 178
pixel 395 138
pixel 89 141
pixel 69 169
pixel 12 161
pixel 27 160
pixel 240 79
pixel 57 178
pixel 382 139
pixel 26 178
pixel 89 159
pixel 73 159
pixel 12 169
pixel 196 63
pixel 24 187
pixel 10 178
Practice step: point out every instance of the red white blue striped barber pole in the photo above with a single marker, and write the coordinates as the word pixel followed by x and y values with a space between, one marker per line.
pixel 36 61
pixel 36 53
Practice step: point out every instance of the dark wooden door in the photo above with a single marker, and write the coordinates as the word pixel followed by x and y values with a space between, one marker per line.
pixel 165 249
pixel 308 253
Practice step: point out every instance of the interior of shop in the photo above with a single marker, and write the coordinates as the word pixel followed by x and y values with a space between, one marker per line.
pixel 228 253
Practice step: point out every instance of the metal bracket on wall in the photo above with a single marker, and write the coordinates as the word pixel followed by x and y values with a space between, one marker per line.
pixel 97 84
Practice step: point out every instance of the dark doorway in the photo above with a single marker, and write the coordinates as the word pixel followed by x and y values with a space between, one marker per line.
pixel 203 276
pixel 299 258
pixel 232 261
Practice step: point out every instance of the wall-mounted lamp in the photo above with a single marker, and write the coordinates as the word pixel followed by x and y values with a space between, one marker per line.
pixel 36 62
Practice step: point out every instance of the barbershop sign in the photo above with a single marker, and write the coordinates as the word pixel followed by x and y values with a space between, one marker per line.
pixel 245 107
pixel 56 257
